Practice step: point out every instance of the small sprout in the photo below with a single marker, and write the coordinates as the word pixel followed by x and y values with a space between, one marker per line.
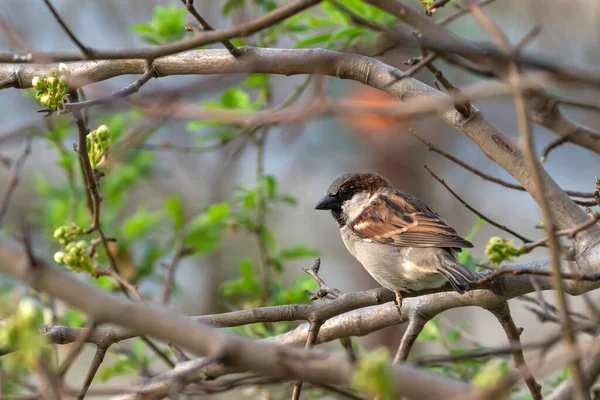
pixel 59 257
pixel 28 309
pixel 21 332
pixel 98 144
pixel 38 83
pixel 76 258
pixel 52 89
pixel 66 234
pixel 102 133
pixel 46 100
pixel 373 374
pixel 498 250
pixel 63 69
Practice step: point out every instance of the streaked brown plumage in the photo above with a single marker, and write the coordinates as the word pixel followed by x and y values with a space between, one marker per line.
pixel 401 242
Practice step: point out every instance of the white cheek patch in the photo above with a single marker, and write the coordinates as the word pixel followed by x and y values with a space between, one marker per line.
pixel 354 207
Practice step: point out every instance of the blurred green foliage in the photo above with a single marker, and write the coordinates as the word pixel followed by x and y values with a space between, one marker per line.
pixel 147 235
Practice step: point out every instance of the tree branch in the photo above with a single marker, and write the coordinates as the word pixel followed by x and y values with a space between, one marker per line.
pixel 513 334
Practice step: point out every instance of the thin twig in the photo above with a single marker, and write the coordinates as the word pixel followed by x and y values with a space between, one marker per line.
pixel 559 141
pixel 461 11
pixel 128 90
pixel 324 290
pixel 580 386
pixel 75 351
pixel 414 328
pixel 480 215
pixel 570 233
pixel 98 358
pixel 180 252
pixel 13 179
pixel 313 332
pixel 479 173
pixel 513 334
pixel 577 103
pixel 84 49
pixel 462 104
pixel 531 271
pixel 95 198
pixel 189 4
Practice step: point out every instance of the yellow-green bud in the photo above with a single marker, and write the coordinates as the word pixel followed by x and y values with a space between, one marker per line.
pixel 102 132
pixel 63 69
pixel 498 250
pixel 45 100
pixel 60 231
pixel 37 83
pixel 59 257
pixel 51 81
pixel 63 80
pixel 27 309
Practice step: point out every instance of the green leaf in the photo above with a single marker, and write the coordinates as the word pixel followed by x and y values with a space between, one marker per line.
pixel 334 14
pixel 322 38
pixel 73 318
pixel 490 374
pixel 299 251
pixel 256 81
pixel 246 269
pixel 373 374
pixel 204 231
pixel 431 332
pixel 218 212
pixel 140 223
pixel 454 334
pixel 167 24
pixel 137 348
pixel 269 185
pixel 235 99
pixel 174 207
pixel 121 367
pixel 106 283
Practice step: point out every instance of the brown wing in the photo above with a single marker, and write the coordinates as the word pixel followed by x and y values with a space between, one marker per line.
pixel 399 219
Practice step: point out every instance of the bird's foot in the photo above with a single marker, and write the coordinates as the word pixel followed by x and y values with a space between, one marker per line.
pixel 398 303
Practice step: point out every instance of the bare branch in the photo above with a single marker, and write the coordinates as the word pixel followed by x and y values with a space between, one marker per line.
pixel 415 326
pixel 309 365
pixel 513 334
pixel 98 358
pixel 189 4
pixel 480 215
pixel 151 53
pixel 479 173
pixel 580 388
pixel 84 49
pixel 13 179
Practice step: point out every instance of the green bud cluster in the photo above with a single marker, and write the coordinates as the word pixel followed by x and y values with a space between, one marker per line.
pixel 98 143
pixel 498 250
pixel 51 90
pixel 21 332
pixel 75 257
pixel 66 234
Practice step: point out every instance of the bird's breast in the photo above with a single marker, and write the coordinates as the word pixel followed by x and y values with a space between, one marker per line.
pixel 395 267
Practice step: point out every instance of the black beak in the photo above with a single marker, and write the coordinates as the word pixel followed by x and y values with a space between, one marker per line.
pixel 327 203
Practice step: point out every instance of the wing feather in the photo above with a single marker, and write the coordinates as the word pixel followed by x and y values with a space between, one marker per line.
pixel 399 219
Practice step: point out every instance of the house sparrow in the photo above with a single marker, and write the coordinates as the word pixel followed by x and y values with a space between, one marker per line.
pixel 397 238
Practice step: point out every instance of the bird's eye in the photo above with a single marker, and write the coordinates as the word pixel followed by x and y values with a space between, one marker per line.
pixel 343 192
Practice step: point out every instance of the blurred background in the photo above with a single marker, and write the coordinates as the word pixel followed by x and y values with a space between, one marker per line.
pixel 305 159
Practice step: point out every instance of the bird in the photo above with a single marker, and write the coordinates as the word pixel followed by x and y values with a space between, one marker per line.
pixel 401 242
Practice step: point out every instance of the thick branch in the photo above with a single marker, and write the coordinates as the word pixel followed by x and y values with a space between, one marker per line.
pixel 280 362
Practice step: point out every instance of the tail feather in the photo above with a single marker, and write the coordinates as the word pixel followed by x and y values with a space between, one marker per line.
pixel 459 276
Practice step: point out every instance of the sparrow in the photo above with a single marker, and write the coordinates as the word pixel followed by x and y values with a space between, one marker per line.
pixel 403 244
